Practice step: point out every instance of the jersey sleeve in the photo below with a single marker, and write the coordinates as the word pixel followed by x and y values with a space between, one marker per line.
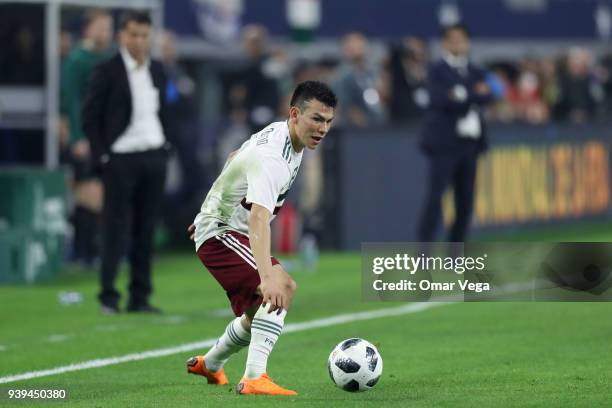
pixel 266 178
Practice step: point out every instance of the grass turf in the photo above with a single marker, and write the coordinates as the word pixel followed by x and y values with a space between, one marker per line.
pixel 476 354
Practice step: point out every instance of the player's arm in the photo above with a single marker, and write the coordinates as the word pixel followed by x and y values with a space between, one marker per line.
pixel 273 284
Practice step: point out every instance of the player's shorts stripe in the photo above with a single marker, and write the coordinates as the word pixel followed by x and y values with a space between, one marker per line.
pixel 226 238
pixel 265 329
pixel 239 245
pixel 232 334
pixel 237 251
pixel 246 248
pixel 266 323
pixel 248 254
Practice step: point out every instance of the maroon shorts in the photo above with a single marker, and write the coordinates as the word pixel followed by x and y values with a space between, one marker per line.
pixel 228 257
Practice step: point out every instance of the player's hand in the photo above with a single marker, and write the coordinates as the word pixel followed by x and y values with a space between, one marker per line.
pixel 277 289
pixel 274 293
pixel 191 232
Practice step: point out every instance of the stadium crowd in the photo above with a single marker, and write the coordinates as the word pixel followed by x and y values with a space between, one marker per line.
pixel 574 85
pixel 378 83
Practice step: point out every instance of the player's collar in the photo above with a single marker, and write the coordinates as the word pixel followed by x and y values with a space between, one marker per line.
pixel 290 139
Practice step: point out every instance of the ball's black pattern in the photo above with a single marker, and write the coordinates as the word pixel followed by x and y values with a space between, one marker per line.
pixel 349 343
pixel 373 381
pixel 371 358
pixel 347 365
pixel 351 386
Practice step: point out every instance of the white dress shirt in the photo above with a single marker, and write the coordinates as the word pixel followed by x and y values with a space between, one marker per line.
pixel 144 131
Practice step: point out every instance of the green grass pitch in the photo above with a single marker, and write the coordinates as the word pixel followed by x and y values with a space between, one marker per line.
pixel 456 355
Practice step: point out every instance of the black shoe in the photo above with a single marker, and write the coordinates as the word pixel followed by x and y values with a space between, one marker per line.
pixel 109 309
pixel 143 308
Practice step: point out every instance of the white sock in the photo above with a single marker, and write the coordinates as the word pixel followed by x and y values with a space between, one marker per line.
pixel 265 329
pixel 234 339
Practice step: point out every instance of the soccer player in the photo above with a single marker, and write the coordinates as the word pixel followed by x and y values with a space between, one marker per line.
pixel 232 237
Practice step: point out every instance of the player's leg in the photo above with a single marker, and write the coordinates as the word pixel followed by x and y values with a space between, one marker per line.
pixel 265 331
pixel 228 260
pixel 235 337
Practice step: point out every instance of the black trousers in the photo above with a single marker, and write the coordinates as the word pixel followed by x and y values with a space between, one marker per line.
pixel 133 192
pixel 85 233
pixel 459 170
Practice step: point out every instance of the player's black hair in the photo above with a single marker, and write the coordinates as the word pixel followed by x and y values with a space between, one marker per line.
pixel 134 16
pixel 452 27
pixel 309 90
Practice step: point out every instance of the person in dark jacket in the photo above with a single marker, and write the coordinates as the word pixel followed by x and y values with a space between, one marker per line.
pixel 454 133
pixel 124 118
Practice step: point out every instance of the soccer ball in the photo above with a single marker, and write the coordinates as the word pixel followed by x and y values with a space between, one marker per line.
pixel 355 365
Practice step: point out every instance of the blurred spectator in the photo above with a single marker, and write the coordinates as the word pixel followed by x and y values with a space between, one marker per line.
pixel 23 58
pixel 605 73
pixel 405 76
pixel 550 83
pixel 454 134
pixel 257 89
pixel 579 91
pixel 65 44
pixel 184 192
pixel 502 110
pixel 358 85
pixel 94 47
pixel 526 95
pixel 180 94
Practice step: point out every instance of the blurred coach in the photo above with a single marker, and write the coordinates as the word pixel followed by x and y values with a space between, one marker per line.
pixel 454 134
pixel 124 118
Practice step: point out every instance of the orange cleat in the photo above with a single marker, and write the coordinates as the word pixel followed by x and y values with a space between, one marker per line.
pixel 261 386
pixel 196 365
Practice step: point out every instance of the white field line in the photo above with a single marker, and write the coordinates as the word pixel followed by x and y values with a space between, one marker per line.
pixel 289 328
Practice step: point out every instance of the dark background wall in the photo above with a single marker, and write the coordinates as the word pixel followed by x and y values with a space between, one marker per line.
pixel 386 18
pixel 530 176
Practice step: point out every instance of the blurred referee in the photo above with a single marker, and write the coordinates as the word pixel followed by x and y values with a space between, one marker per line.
pixel 124 118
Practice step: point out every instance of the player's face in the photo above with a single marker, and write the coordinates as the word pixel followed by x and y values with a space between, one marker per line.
pixel 312 123
pixel 135 37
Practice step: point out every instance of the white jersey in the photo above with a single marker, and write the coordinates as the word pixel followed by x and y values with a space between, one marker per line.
pixel 261 172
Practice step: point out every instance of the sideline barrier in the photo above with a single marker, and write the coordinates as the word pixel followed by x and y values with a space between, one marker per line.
pixel 530 176
pixel 32 223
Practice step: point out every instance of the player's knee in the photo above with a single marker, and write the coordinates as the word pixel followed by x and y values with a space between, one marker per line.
pixel 246 322
pixel 292 286
pixel 247 318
